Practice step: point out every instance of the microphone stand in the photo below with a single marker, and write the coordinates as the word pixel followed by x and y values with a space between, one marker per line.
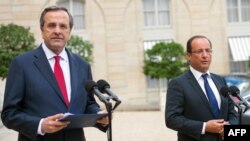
pixel 240 114
pixel 109 109
pixel 242 109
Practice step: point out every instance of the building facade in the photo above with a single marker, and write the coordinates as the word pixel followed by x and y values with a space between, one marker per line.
pixel 121 30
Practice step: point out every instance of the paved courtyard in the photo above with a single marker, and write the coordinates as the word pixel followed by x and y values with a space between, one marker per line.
pixel 126 126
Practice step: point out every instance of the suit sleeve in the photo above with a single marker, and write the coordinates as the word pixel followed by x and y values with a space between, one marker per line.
pixel 13 116
pixel 174 119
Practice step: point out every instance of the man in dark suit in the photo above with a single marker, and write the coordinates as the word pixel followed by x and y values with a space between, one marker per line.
pixel 189 107
pixel 33 100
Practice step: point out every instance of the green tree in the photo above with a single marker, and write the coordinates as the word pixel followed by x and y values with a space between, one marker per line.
pixel 14 40
pixel 83 48
pixel 165 60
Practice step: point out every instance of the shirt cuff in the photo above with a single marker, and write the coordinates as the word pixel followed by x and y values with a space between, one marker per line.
pixel 203 128
pixel 39 130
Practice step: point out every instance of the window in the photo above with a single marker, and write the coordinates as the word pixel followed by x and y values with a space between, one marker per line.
pixel 245 10
pixel 153 83
pixel 156 12
pixel 238 10
pixel 239 53
pixel 77 9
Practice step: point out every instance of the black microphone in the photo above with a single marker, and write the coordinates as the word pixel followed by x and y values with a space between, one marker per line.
pixel 104 87
pixel 226 92
pixel 91 87
pixel 236 92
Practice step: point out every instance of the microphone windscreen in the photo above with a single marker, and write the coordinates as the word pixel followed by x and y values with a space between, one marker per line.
pixel 224 91
pixel 89 85
pixel 234 90
pixel 102 84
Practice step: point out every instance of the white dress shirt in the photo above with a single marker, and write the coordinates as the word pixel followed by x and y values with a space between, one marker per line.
pixel 64 63
pixel 200 80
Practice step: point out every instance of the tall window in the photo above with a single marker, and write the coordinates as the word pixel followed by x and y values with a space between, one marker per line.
pixel 156 12
pixel 245 8
pixel 238 10
pixel 153 83
pixel 77 9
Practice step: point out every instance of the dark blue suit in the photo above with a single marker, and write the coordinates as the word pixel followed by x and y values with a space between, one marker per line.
pixel 187 108
pixel 32 93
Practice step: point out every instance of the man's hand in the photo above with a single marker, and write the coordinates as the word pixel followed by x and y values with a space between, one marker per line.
pixel 51 124
pixel 216 126
pixel 221 132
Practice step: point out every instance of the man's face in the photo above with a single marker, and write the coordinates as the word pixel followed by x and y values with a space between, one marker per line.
pixel 56 30
pixel 201 56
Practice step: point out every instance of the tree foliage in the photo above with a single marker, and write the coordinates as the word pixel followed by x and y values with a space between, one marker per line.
pixel 83 48
pixel 14 40
pixel 165 60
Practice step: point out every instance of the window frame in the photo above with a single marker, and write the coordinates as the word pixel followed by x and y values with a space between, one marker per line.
pixel 153 83
pixel 231 8
pixel 156 12
pixel 70 7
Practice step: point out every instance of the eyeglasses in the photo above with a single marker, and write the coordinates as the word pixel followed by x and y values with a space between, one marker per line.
pixel 207 51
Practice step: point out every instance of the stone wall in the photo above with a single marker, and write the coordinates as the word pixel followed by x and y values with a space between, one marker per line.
pixel 115 27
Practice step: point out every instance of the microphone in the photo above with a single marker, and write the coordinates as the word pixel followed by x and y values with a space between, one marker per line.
pixel 226 92
pixel 91 87
pixel 104 87
pixel 236 92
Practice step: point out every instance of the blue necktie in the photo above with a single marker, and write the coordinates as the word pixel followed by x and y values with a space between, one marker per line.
pixel 211 97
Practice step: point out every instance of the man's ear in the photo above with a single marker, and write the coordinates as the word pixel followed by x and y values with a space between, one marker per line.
pixel 188 55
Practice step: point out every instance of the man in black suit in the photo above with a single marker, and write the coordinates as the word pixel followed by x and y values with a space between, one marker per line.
pixel 34 100
pixel 188 105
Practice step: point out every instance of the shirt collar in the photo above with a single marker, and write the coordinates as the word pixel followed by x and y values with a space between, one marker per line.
pixel 50 54
pixel 198 74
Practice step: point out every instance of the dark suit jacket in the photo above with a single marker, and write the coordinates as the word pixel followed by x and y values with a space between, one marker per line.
pixel 187 108
pixel 32 93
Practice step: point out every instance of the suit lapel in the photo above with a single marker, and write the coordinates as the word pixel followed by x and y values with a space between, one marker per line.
pixel 195 85
pixel 73 76
pixel 219 84
pixel 43 66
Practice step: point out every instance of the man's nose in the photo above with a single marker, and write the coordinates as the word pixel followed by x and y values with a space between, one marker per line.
pixel 57 29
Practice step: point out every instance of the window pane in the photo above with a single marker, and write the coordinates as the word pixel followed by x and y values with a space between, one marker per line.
pixel 245 4
pixel 149 19
pixel 149 14
pixel 163 12
pixel 78 7
pixel 232 11
pixel 148 5
pixel 163 5
pixel 79 22
pixel 79 14
pixel 64 3
pixel 163 18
